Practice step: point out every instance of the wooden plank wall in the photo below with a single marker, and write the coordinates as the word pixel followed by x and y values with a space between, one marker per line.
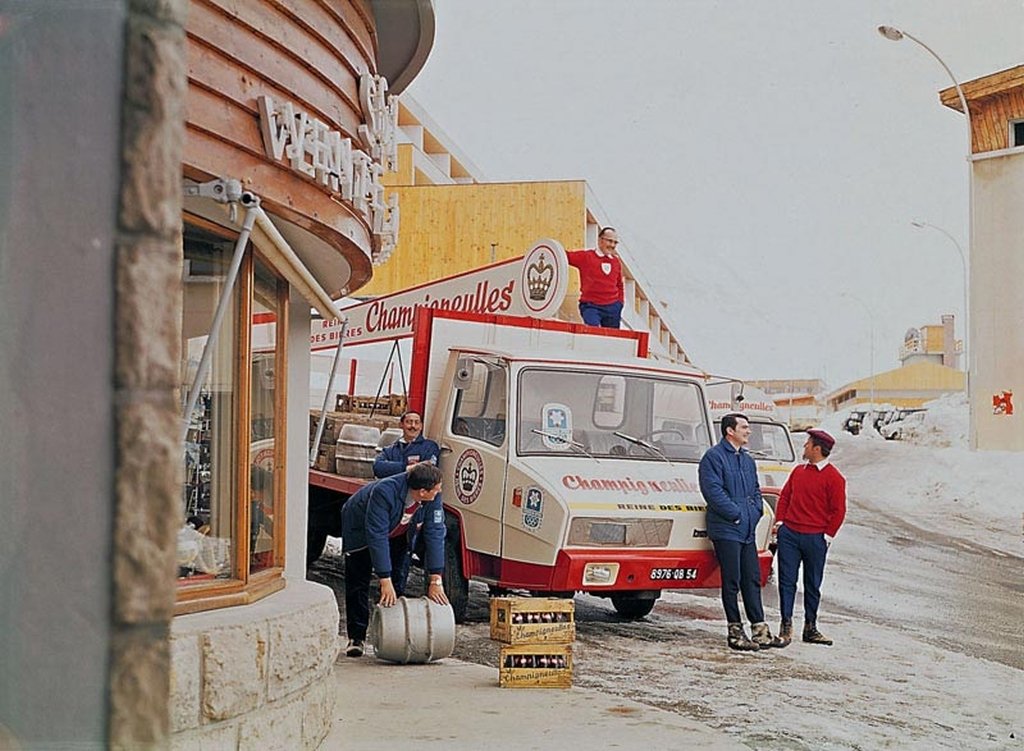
pixel 991 120
pixel 994 100
pixel 308 52
pixel 447 229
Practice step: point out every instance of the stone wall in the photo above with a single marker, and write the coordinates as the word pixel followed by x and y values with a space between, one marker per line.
pixel 147 509
pixel 256 677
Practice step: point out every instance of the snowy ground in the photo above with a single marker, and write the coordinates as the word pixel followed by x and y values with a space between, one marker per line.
pixel 923 593
pixel 935 482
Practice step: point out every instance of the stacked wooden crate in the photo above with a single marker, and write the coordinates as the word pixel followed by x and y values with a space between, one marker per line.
pixel 536 635
pixel 326 452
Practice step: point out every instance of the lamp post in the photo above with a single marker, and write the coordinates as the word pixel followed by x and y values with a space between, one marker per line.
pixel 893 34
pixel 871 322
pixel 963 263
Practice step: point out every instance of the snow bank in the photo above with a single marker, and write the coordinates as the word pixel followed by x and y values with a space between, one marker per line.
pixel 934 481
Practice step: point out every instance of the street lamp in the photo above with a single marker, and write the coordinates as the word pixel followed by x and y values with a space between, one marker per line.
pixel 871 322
pixel 963 263
pixel 893 34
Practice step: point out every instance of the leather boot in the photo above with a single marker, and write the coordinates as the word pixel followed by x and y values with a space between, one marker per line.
pixel 785 633
pixel 738 639
pixel 761 635
pixel 813 636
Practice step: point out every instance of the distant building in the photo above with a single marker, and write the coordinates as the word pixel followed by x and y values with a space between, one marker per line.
pixel 798 400
pixel 933 344
pixel 996 258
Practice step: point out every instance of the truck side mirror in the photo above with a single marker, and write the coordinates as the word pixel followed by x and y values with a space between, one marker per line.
pixel 736 396
pixel 463 373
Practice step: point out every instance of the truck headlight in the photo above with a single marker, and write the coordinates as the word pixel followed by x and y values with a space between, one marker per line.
pixel 600 574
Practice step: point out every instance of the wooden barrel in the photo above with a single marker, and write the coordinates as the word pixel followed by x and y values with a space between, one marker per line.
pixel 413 630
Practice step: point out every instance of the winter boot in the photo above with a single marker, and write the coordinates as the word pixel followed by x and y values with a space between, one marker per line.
pixel 813 636
pixel 785 633
pixel 738 639
pixel 761 635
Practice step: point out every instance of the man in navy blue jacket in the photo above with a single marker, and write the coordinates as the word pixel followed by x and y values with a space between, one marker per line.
pixel 408 450
pixel 401 456
pixel 374 523
pixel 728 482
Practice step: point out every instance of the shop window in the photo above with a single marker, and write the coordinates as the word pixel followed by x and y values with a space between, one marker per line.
pixel 230 549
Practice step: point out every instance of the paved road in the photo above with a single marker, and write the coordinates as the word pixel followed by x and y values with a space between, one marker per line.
pixel 929 633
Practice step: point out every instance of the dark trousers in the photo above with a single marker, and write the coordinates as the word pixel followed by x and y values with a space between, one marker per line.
pixel 737 562
pixel 358 570
pixel 796 548
pixel 607 316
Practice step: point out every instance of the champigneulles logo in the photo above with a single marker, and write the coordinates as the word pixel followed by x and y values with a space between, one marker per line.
pixel 540 278
pixel 469 476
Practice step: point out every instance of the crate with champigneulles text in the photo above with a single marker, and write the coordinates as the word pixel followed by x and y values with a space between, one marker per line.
pixel 535 666
pixel 533 620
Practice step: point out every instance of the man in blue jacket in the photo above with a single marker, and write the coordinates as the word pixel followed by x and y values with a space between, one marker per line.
pixel 401 456
pixel 412 448
pixel 374 523
pixel 728 482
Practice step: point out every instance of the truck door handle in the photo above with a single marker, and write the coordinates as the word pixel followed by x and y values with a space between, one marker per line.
pixel 445 449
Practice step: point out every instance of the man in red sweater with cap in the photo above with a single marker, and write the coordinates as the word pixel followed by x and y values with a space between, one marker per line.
pixel 809 513
pixel 601 289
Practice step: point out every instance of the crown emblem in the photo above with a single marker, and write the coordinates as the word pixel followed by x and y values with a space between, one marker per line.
pixel 468 478
pixel 539 276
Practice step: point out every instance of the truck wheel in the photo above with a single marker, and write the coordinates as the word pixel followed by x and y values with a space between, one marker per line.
pixel 455 585
pixel 632 607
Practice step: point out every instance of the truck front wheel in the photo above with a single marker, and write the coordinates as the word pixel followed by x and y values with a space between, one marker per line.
pixel 632 607
pixel 456 587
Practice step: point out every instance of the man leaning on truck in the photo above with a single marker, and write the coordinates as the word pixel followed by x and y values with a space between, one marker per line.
pixel 374 523
pixel 728 482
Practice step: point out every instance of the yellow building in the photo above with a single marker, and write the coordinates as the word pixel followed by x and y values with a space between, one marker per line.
pixel 451 221
pixel 928 357
pixel 996 256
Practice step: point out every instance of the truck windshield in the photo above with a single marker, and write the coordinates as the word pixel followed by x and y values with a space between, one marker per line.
pixel 643 418
pixel 768 441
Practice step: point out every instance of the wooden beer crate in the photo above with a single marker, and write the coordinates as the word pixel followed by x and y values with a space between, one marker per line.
pixel 535 666
pixel 533 620
pixel 388 405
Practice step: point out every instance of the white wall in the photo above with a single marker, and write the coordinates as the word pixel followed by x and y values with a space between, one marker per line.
pixel 996 342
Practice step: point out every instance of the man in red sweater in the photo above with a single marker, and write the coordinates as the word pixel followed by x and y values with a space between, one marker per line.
pixel 600 280
pixel 809 513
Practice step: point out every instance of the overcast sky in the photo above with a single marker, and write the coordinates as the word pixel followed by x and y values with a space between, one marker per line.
pixel 761 160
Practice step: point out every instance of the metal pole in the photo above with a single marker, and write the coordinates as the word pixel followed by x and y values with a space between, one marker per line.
pixel 963 264
pixel 222 305
pixel 327 396
pixel 896 35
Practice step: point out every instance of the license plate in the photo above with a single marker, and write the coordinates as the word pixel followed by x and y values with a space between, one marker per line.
pixel 673 574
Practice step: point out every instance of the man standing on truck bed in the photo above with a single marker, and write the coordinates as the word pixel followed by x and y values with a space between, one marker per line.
pixel 374 523
pixel 412 448
pixel 809 513
pixel 728 482
pixel 601 292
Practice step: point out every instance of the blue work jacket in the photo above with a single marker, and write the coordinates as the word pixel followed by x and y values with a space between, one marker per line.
pixel 728 482
pixel 396 457
pixel 375 512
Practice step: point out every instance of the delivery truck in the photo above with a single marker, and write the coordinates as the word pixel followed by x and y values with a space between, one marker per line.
pixel 569 456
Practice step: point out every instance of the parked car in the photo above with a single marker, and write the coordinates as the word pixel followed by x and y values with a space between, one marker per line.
pixel 899 429
pixel 855 421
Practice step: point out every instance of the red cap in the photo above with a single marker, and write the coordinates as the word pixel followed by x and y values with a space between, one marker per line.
pixel 823 437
